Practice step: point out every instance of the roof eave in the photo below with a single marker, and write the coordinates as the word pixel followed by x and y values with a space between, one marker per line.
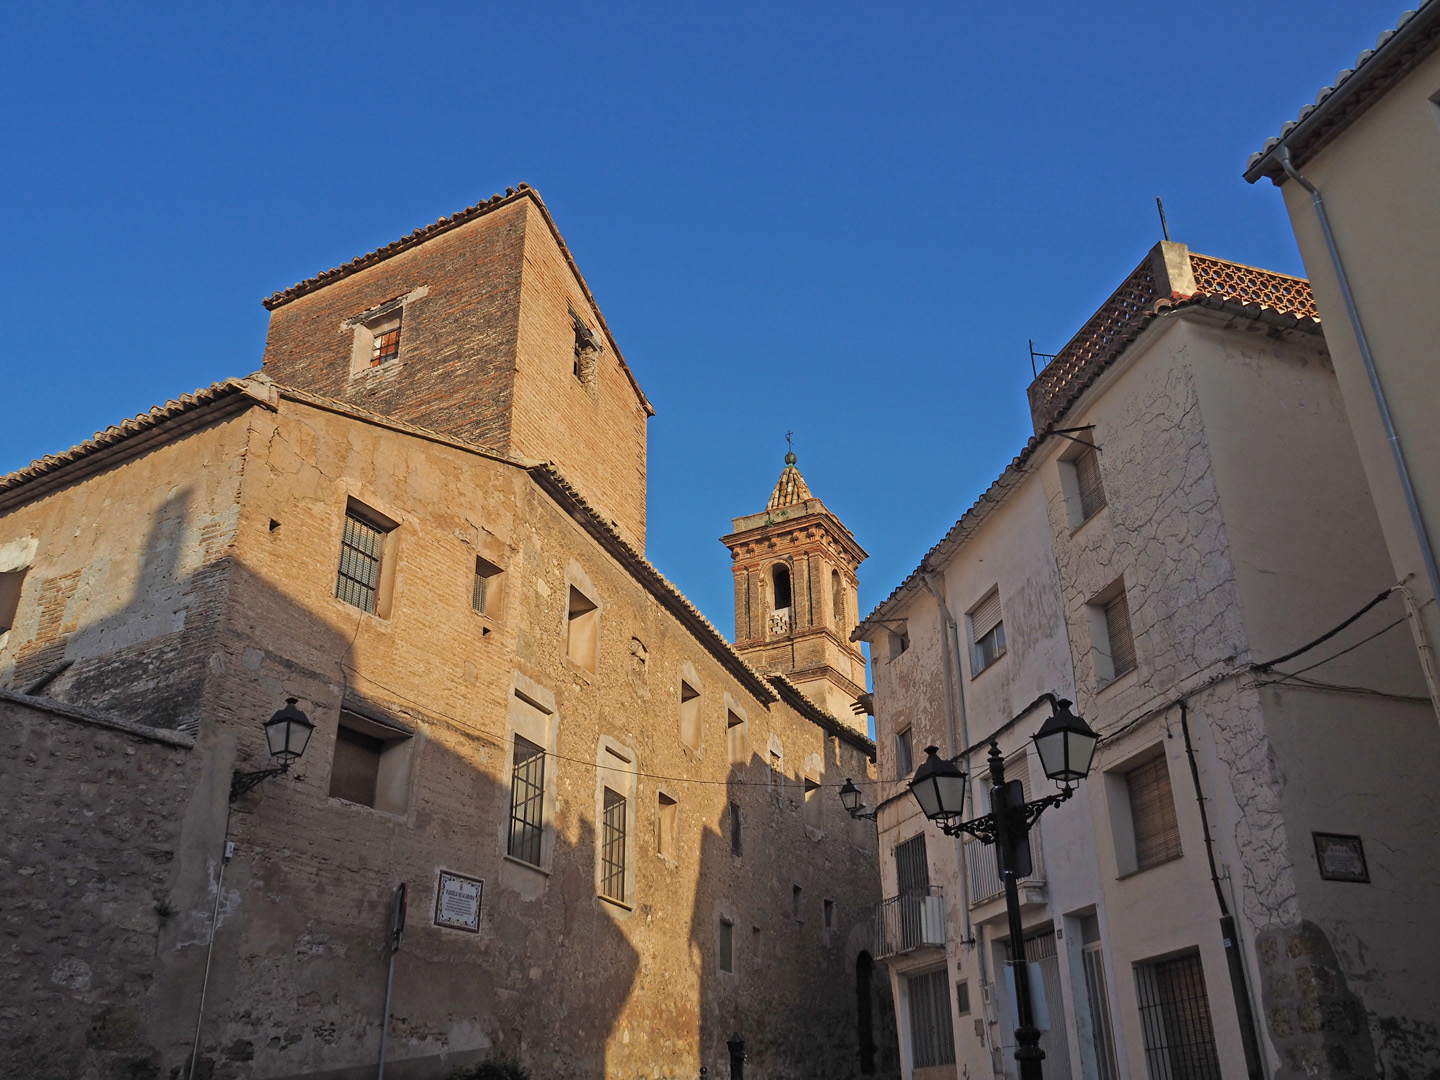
pixel 1354 92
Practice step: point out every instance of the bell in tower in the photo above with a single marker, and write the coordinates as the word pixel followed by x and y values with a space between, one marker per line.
pixel 795 595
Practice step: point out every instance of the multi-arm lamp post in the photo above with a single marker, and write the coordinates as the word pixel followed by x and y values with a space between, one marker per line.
pixel 1066 745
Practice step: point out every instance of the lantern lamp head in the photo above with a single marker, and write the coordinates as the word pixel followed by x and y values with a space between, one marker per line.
pixel 288 733
pixel 850 796
pixel 1066 745
pixel 939 786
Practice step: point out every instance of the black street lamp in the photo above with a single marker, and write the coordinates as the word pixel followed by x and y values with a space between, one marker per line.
pixel 1066 745
pixel 287 733
pixel 854 803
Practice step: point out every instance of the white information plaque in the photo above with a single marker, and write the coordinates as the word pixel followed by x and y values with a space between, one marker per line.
pixel 457 902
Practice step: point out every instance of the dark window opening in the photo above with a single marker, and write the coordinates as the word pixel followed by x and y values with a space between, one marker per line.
pixel 781 578
pixel 356 768
pixel 486 591
pixel 612 846
pixel 735 841
pixel 1175 1019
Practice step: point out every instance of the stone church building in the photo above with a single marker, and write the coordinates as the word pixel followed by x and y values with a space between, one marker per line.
pixel 618 833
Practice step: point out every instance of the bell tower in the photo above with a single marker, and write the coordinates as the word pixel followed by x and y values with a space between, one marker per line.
pixel 795 595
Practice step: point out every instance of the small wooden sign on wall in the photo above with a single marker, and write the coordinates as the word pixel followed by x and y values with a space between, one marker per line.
pixel 1341 857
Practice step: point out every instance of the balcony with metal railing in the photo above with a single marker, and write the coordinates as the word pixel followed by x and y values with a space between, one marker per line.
pixel 984 873
pixel 913 920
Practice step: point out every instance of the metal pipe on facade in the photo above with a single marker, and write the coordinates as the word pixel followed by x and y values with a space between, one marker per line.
pixel 1422 535
pixel 210 947
pixel 1245 1013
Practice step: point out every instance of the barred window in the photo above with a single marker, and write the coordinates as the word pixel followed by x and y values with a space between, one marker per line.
pixel 527 799
pixel 1175 1019
pixel 1087 480
pixel 361 546
pixel 1152 811
pixel 932 1034
pixel 1122 642
pixel 612 846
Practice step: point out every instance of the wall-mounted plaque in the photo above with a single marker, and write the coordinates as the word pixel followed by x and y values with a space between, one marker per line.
pixel 1341 858
pixel 457 902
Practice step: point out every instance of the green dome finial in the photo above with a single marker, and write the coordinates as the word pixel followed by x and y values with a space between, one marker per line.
pixel 790 458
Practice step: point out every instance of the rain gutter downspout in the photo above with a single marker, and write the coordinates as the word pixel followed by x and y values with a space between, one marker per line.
pixel 1427 551
pixel 1245 1013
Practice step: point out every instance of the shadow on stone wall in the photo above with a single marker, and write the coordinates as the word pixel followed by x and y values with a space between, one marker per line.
pixel 821 1036
pixel 109 859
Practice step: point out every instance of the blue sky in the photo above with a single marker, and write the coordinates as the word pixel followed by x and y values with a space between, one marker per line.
pixel 839 219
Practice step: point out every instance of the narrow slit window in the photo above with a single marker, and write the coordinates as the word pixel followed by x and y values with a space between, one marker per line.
pixel 485 596
pixel 1122 640
pixel 1087 483
pixel 814 804
pixel 797 903
pixel 582 630
pixel 904 754
pixel 612 846
pixel 527 799
pixel 727 945
pixel 736 844
pixel 735 738
pixel 667 817
pixel 689 715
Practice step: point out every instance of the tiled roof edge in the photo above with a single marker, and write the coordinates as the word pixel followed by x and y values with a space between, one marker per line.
pixel 444 225
pixel 995 494
pixel 793 696
pixel 129 437
pixel 90 716
pixel 1395 54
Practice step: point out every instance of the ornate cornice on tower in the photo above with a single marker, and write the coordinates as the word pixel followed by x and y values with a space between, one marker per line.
pixel 795 566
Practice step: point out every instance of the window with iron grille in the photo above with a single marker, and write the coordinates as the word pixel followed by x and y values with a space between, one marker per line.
pixel 527 801
pixel 486 589
pixel 1087 481
pixel 932 1034
pixel 987 631
pixel 361 546
pixel 1175 1019
pixel 612 846
pixel 1152 813
pixel 386 343
pixel 1122 642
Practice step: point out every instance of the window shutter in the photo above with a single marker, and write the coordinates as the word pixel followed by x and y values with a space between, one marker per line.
pixel 1152 810
pixel 1122 641
pixel 1087 476
pixel 986 615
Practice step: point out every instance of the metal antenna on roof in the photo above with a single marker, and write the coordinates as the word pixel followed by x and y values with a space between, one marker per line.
pixel 1164 225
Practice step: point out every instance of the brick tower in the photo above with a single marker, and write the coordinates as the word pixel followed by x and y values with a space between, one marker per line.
pixel 795 594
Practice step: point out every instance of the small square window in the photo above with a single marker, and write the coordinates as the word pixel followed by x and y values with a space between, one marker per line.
pixel 10 585
pixel 371 764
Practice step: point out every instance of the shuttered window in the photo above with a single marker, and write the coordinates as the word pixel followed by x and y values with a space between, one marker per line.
pixel 1122 641
pixel 912 869
pixel 987 631
pixel 1087 480
pixel 932 1034
pixel 1152 810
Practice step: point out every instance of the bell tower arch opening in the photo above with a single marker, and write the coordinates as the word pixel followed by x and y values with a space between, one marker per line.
pixel 783 559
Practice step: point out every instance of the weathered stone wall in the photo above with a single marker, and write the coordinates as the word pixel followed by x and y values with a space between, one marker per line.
pixel 575 985
pixel 95 865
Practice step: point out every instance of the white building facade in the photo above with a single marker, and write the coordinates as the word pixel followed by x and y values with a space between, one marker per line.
pixel 1253 833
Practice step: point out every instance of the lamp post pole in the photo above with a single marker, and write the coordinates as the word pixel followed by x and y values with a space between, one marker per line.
pixel 1065 745
pixel 1010 830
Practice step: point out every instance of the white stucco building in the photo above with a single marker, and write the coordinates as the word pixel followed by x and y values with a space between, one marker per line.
pixel 1191 508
